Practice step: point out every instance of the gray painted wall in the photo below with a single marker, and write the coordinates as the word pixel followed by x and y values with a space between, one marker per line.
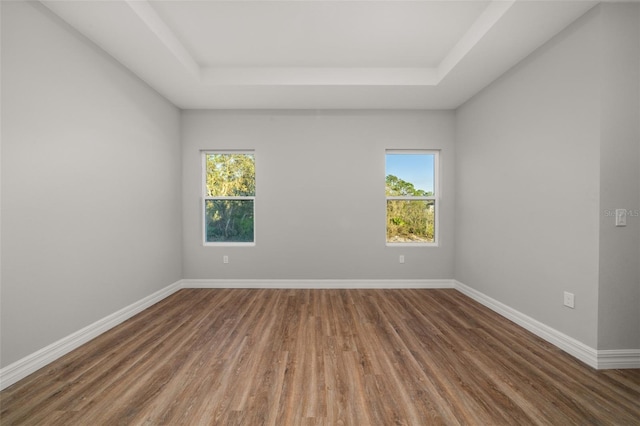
pixel 619 273
pixel 527 193
pixel 542 155
pixel 320 193
pixel 91 171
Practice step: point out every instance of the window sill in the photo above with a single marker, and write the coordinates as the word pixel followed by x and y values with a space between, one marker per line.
pixel 224 244
pixel 411 244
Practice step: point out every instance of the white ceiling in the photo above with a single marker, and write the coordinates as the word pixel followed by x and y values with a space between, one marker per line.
pixel 300 54
pixel 319 34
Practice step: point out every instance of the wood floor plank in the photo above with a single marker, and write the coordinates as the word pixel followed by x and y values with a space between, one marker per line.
pixel 320 357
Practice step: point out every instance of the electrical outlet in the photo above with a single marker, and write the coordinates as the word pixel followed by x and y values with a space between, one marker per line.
pixel 225 259
pixel 568 299
pixel 401 258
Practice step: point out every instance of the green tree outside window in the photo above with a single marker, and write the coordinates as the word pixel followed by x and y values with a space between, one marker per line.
pixel 411 201
pixel 229 201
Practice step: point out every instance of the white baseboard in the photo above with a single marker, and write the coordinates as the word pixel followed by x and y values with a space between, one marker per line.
pixel 598 359
pixel 618 358
pixel 316 284
pixel 29 364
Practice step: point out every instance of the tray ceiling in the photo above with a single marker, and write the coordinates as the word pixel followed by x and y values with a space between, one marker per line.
pixel 298 54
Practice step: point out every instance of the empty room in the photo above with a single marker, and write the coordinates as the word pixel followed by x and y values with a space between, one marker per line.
pixel 320 212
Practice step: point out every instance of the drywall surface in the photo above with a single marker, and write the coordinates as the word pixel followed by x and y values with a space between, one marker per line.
pixel 527 184
pixel 619 279
pixel 91 171
pixel 320 200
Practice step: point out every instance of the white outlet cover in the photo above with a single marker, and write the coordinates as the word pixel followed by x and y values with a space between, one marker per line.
pixel 569 299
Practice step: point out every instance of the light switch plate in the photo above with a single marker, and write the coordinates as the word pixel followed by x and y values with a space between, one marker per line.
pixel 621 217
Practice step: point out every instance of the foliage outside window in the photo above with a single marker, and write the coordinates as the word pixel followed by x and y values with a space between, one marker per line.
pixel 229 197
pixel 411 197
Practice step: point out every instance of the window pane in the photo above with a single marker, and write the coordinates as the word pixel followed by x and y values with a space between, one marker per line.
pixel 231 175
pixel 410 174
pixel 229 221
pixel 410 221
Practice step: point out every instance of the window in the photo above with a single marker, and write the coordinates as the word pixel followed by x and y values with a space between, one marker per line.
pixel 411 192
pixel 229 189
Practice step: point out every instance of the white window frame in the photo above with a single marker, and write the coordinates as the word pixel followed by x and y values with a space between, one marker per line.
pixel 205 198
pixel 436 197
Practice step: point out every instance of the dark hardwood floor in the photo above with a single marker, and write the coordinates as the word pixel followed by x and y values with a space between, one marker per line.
pixel 320 357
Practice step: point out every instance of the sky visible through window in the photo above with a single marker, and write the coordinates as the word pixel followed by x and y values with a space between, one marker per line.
pixel 414 168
